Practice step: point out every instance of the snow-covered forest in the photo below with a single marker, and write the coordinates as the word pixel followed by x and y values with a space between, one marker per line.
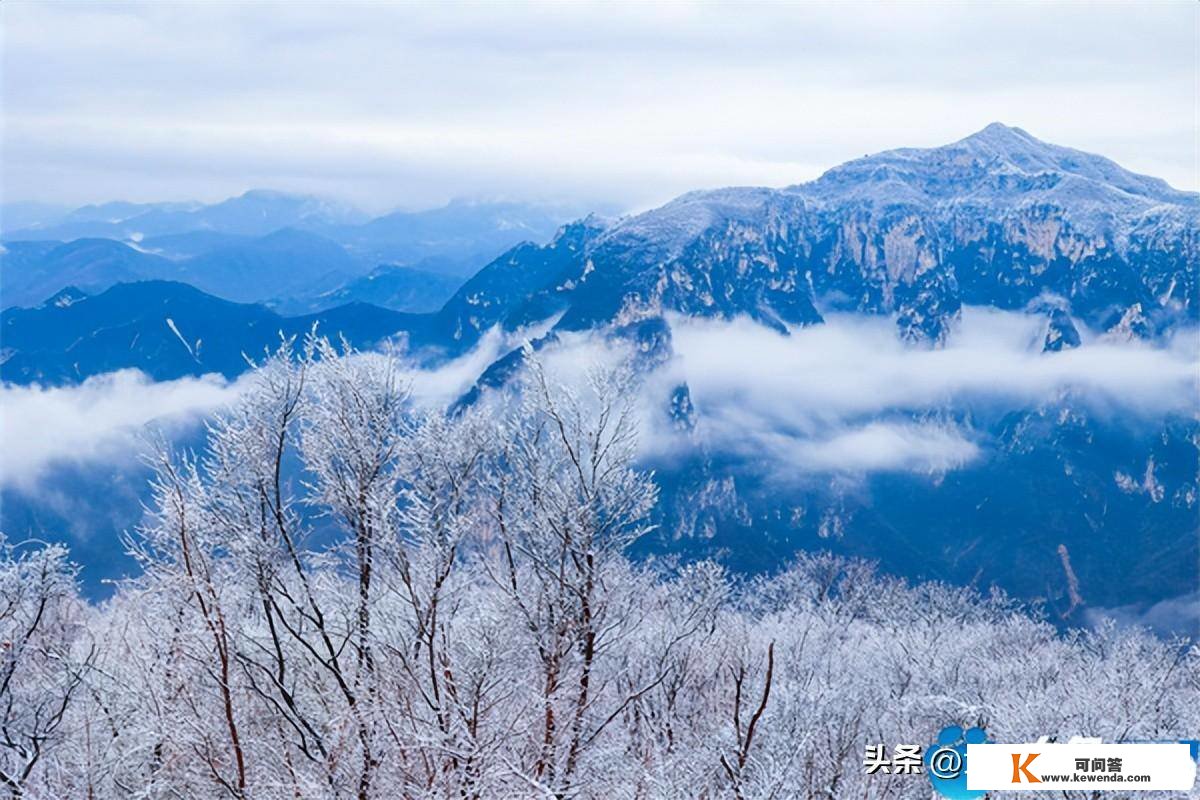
pixel 345 596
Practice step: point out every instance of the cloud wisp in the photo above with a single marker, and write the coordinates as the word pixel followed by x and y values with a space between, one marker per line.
pixel 848 397
pixel 102 419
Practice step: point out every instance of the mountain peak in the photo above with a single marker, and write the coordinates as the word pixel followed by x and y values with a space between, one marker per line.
pixel 1003 164
pixel 998 130
pixel 1009 142
pixel 64 298
pixel 1005 138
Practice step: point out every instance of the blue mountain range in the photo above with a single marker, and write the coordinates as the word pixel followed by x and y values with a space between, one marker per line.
pixel 260 236
pixel 998 219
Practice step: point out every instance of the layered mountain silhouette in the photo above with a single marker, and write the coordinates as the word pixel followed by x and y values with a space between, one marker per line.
pixel 998 219
pixel 165 329
pixel 246 235
pixel 287 262
pixel 31 271
pixel 254 213
pixel 388 285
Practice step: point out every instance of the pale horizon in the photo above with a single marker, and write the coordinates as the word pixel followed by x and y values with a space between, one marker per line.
pixel 404 107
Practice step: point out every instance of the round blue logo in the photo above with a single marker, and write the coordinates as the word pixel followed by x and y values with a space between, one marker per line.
pixel 946 762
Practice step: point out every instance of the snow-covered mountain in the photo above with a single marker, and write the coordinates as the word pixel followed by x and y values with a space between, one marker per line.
pixel 999 218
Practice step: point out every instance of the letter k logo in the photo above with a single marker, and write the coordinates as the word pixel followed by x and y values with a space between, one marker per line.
pixel 1018 768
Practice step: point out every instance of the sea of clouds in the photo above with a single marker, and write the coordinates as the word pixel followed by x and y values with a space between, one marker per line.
pixel 845 397
pixel 848 396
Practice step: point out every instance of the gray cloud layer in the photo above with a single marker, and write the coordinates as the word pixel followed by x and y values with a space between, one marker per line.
pixel 409 104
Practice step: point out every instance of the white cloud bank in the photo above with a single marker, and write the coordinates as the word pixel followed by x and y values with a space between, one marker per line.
pixel 101 419
pixel 871 447
pixel 104 419
pixel 845 397
pixel 848 396
pixel 857 365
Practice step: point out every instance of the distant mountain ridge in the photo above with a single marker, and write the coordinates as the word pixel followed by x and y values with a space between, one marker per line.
pixel 254 213
pixel 455 239
pixel 31 271
pixel 999 218
pixel 285 262
pixel 243 269
pixel 388 285
pixel 167 330
pixel 267 247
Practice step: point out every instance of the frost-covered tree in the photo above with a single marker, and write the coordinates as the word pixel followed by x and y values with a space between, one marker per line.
pixel 46 655
pixel 346 595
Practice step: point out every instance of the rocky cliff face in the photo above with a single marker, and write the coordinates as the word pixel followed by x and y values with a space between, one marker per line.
pixel 999 218
pixel 523 286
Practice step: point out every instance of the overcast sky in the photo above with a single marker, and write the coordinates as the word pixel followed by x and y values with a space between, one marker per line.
pixel 408 105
